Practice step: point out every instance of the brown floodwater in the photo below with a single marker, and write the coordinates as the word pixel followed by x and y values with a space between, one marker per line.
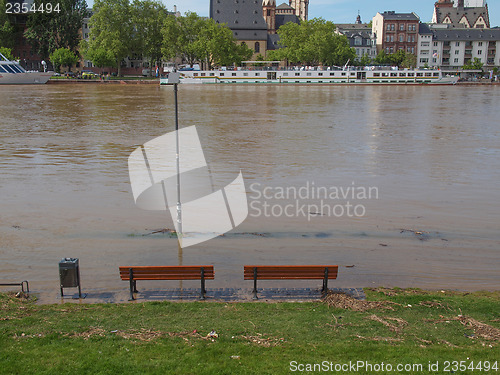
pixel 430 155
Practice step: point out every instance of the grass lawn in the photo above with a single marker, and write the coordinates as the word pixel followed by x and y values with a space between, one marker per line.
pixel 394 327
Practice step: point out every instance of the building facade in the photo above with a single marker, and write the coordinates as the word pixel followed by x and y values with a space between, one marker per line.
pixel 360 38
pixel 451 49
pixel 396 31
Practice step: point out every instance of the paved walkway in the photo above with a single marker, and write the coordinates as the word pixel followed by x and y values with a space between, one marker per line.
pixel 215 294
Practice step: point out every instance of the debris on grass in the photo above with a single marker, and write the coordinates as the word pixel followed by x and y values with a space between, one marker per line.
pixel 343 301
pixel 263 341
pixel 397 327
pixel 480 329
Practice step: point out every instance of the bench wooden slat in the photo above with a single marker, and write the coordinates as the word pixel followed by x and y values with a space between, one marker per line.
pixel 290 272
pixel 166 273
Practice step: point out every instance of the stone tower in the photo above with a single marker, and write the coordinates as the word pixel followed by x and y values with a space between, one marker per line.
pixel 301 8
pixel 269 13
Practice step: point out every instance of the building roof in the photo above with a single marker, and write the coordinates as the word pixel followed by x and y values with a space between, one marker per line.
pixel 353 27
pixel 282 19
pixel 424 29
pixel 456 14
pixel 393 16
pixel 243 17
pixel 273 41
pixel 466 34
pixel 284 6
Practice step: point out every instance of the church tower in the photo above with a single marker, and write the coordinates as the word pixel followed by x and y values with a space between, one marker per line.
pixel 269 13
pixel 301 8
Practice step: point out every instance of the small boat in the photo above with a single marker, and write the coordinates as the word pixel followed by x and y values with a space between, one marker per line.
pixel 12 73
pixel 319 75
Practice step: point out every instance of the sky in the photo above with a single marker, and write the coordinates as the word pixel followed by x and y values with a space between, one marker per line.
pixel 345 11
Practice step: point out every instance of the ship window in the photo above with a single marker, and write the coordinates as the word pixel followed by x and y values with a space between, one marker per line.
pixel 436 74
pixel 343 74
pixel 257 74
pixel 245 74
pixel 212 74
pixel 9 69
pixel 297 74
pixel 376 74
pixel 394 74
pixel 221 74
pixel 234 74
pixel 2 70
pixel 195 74
pixel 411 74
pixel 428 74
pixel 285 74
pixel 420 74
pixel 320 74
pixel 332 74
pixel 402 74
pixel 308 74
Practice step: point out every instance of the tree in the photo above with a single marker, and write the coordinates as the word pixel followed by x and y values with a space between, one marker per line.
pixel 364 60
pixel 181 37
pixel 101 57
pixel 7 52
pixel 410 61
pixel 476 64
pixel 63 57
pixel 47 32
pixel 148 18
pixel 196 39
pixel 6 29
pixel 314 42
pixel 382 58
pixel 112 30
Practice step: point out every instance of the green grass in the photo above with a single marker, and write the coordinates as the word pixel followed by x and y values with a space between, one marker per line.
pixel 404 327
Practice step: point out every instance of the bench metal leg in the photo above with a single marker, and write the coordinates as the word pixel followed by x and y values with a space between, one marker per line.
pixel 27 286
pixel 203 291
pixel 255 283
pixel 132 284
pixel 324 290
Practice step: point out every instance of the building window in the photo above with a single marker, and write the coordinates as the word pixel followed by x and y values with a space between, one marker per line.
pixel 480 44
pixel 401 38
pixel 269 12
pixel 257 47
pixel 387 38
pixel 457 44
pixel 402 27
pixel 358 41
pixel 457 52
pixel 480 52
pixel 456 60
pixel 435 44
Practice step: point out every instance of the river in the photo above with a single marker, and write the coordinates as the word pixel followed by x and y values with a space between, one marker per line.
pixel 428 155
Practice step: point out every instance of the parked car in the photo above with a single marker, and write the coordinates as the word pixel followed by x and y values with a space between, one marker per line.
pixel 89 75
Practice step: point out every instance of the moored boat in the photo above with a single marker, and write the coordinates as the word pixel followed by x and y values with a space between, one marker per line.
pixel 318 75
pixel 12 73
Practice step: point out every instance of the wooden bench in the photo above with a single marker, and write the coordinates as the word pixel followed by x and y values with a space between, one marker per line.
pixel 21 284
pixel 132 274
pixel 290 272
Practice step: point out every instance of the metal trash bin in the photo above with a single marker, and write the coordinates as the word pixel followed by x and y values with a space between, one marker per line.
pixel 69 274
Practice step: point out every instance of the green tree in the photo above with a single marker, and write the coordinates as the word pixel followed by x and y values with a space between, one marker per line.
pixel 7 52
pixel 148 18
pixel 382 58
pixel 410 61
pixel 475 64
pixel 6 28
pixel 112 30
pixel 397 58
pixel 364 60
pixel 181 37
pixel 100 57
pixel 219 47
pixel 63 57
pixel 314 42
pixel 196 39
pixel 47 32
